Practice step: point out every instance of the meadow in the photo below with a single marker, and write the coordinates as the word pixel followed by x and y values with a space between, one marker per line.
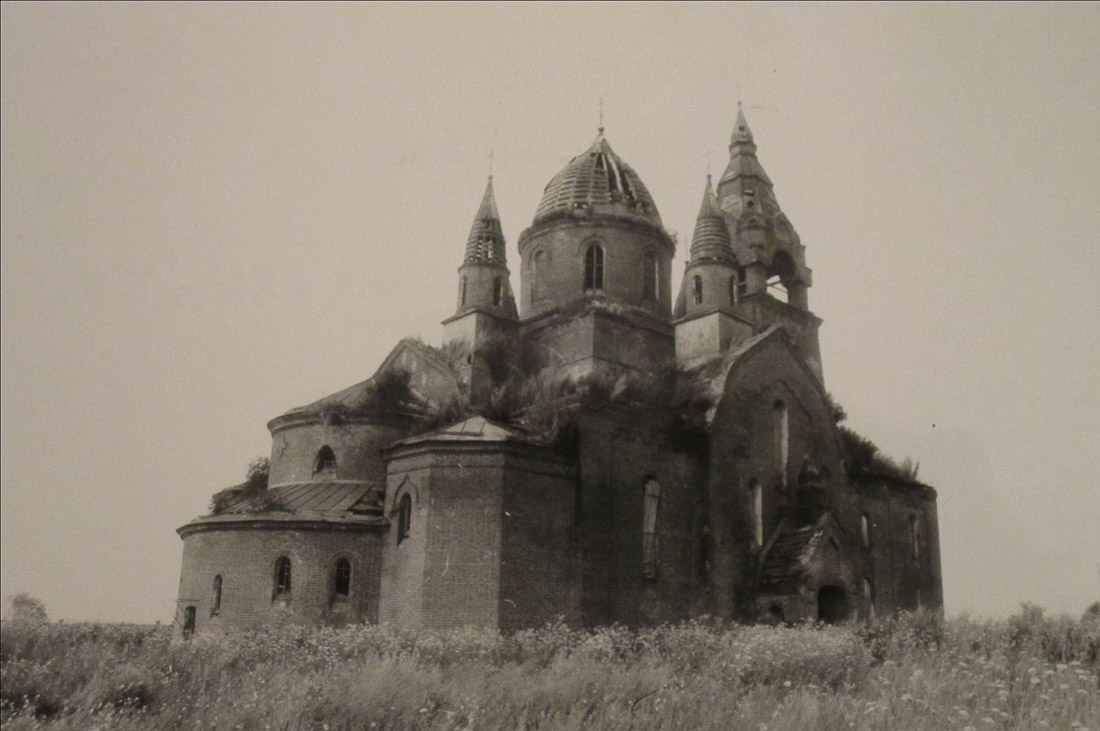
pixel 909 672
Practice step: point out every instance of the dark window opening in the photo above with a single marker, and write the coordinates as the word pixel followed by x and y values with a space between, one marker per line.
pixel 462 292
pixel 342 578
pixel 282 578
pixel 326 460
pixel 651 275
pixel 404 518
pixel 498 291
pixel 217 605
pixel 593 267
pixel 865 530
pixel 651 506
pixel 537 267
pixel 914 536
pixel 697 289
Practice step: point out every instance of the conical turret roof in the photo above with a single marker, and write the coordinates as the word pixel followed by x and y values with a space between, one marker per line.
pixel 486 240
pixel 744 186
pixel 600 181
pixel 712 237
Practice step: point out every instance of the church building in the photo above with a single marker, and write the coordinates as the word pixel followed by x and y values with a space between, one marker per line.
pixel 593 450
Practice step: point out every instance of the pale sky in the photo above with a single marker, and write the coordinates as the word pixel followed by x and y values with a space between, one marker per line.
pixel 213 213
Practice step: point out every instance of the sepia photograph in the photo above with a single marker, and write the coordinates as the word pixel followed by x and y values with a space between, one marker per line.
pixel 550 365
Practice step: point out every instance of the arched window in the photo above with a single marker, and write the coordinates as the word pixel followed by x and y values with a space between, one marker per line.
pixel 782 440
pixel 404 518
pixel 914 536
pixel 650 508
pixel 697 289
pixel 217 605
pixel 325 461
pixel 341 580
pixel 462 292
pixel 651 276
pixel 733 290
pixel 869 594
pixel 865 529
pixel 756 496
pixel 593 267
pixel 498 291
pixel 188 622
pixel 538 265
pixel 282 578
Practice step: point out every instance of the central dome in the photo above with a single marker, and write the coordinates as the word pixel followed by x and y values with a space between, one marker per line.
pixel 598 181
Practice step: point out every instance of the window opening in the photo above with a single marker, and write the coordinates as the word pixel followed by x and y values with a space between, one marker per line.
pixel 652 504
pixel 650 276
pixel 404 518
pixel 869 594
pixel 498 291
pixel 536 271
pixel 756 494
pixel 697 289
pixel 865 530
pixel 782 440
pixel 217 595
pixel 326 460
pixel 462 292
pixel 188 622
pixel 282 577
pixel 914 536
pixel 342 578
pixel 593 267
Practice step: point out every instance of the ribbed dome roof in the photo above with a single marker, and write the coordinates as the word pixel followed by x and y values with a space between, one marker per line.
pixel 600 181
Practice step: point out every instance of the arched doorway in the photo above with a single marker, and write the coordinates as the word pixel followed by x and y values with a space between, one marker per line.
pixel 832 604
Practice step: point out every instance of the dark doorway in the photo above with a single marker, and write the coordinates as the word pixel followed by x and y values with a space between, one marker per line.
pixel 832 605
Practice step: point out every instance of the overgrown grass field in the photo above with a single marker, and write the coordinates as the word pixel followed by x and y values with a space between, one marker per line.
pixel 911 672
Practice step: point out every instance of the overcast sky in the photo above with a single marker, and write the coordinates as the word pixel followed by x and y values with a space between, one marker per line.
pixel 213 213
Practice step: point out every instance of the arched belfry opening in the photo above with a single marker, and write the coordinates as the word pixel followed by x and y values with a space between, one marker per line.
pixel 781 276
pixel 832 604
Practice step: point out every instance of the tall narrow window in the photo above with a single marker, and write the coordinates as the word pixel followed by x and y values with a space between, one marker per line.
pixel 538 266
pixel 404 518
pixel 650 508
pixel 869 595
pixel 341 580
pixel 217 605
pixel 462 292
pixel 782 441
pixel 697 289
pixel 914 536
pixel 326 460
pixel 756 495
pixel 650 276
pixel 282 578
pixel 498 291
pixel 733 290
pixel 593 267
pixel 865 529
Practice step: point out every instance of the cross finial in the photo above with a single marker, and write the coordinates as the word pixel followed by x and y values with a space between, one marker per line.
pixel 709 153
pixel 601 115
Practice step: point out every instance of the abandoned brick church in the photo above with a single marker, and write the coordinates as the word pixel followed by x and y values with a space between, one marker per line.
pixel 592 450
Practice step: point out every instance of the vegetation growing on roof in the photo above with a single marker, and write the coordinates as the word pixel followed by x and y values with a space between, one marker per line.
pixel 866 460
pixel 251 496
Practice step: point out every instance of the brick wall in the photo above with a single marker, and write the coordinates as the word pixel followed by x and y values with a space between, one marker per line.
pixel 561 276
pixel 245 558
pixel 357 447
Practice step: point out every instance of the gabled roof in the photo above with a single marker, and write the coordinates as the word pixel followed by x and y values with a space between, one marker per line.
pixel 432 378
pixel 790 552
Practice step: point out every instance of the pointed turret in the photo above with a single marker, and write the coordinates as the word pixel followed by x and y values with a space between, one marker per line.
pixel 486 308
pixel 486 240
pixel 712 237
